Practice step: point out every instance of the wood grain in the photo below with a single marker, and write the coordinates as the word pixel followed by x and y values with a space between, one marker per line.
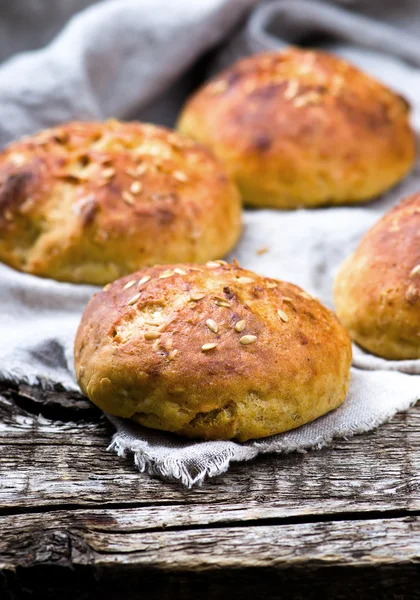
pixel 119 547
pixel 50 463
pixel 80 522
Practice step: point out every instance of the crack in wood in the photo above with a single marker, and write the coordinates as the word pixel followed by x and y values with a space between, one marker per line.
pixel 244 522
pixel 86 524
pixel 55 405
pixel 346 543
pixel 21 510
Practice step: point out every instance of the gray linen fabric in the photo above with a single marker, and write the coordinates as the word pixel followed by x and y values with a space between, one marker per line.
pixel 119 57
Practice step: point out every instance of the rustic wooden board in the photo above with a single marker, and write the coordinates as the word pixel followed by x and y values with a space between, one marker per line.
pixel 51 463
pixel 346 516
pixel 375 556
pixel 105 536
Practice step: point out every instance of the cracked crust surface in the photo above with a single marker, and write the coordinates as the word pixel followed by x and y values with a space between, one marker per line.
pixel 303 128
pixel 211 351
pixel 377 289
pixel 90 202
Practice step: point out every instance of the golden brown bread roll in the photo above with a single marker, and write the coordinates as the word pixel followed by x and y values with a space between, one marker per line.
pixel 303 128
pixel 377 290
pixel 90 202
pixel 211 351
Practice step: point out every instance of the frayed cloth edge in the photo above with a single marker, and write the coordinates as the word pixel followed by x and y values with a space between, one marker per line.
pixel 176 470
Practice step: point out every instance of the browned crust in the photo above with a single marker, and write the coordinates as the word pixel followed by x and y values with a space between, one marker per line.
pixel 89 202
pixel 303 128
pixel 377 290
pixel 296 368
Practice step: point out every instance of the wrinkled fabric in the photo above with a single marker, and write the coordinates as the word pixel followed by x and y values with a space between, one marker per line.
pixel 120 58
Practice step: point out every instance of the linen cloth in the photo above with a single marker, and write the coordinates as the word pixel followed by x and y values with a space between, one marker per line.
pixel 120 58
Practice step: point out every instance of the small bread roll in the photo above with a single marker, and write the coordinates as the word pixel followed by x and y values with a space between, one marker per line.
pixel 303 128
pixel 90 202
pixel 212 352
pixel 377 290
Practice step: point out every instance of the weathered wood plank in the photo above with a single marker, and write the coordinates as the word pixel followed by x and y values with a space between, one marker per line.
pixel 106 534
pixel 118 530
pixel 19 426
pixel 270 528
pixel 301 558
pixel 49 463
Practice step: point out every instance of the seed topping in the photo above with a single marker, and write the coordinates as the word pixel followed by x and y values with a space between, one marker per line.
pixel 196 296
pixel 128 198
pixel 415 271
pixel 17 159
pixel 144 279
pixel 207 347
pixel 240 326
pixel 223 303
pixel 136 187
pixel 152 335
pixel 134 299
pixel 166 274
pixel 306 295
pixel 245 280
pixel 292 89
pixel 141 169
pixel 212 264
pixel 26 206
pixel 247 339
pixel 282 315
pixel 179 271
pixel 180 176
pixel 309 98
pixel 212 325
pixel 152 322
pixel 108 173
pixel 129 284
pixel 412 294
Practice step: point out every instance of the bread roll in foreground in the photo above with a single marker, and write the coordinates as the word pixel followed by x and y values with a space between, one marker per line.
pixel 303 128
pixel 90 202
pixel 377 290
pixel 212 352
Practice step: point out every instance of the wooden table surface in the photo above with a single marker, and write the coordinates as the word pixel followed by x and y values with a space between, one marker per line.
pixel 78 522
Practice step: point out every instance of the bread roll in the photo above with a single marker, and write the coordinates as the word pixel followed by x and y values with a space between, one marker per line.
pixel 90 202
pixel 303 128
pixel 211 351
pixel 377 290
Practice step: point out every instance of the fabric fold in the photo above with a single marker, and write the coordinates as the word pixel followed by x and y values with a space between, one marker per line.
pixel 305 22
pixel 115 59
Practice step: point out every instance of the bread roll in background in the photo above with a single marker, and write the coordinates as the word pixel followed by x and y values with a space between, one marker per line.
pixel 377 290
pixel 211 351
pixel 303 128
pixel 90 202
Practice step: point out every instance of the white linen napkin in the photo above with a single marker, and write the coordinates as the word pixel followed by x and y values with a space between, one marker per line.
pixel 115 59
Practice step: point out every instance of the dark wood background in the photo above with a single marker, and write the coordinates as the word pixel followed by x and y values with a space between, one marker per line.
pixel 78 522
